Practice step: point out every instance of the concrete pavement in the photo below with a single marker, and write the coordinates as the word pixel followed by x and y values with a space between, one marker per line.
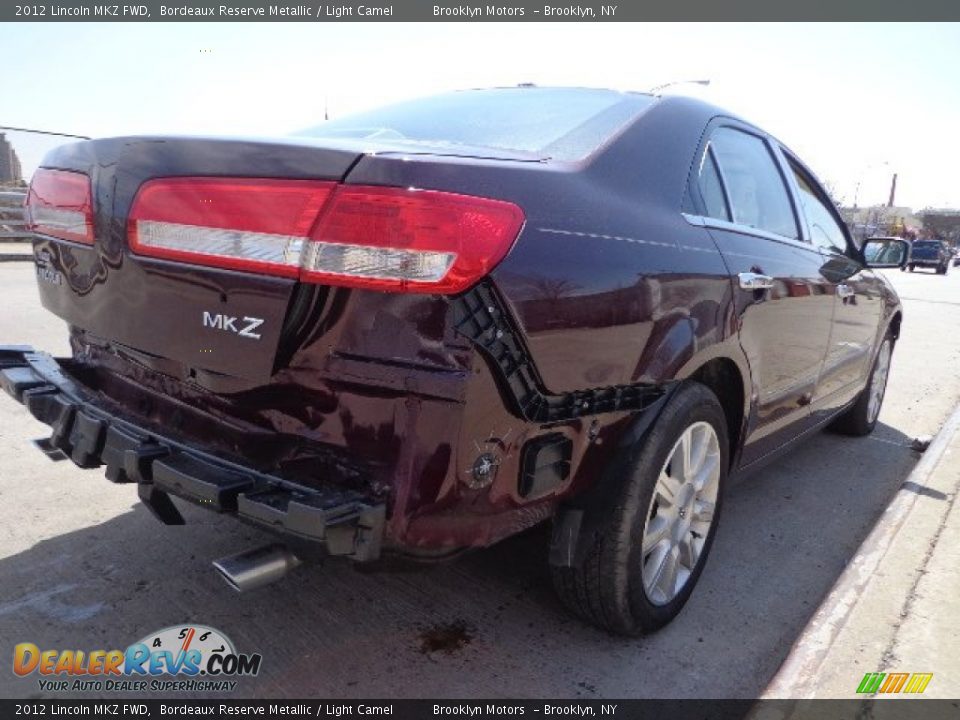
pixel 896 608
pixel 83 565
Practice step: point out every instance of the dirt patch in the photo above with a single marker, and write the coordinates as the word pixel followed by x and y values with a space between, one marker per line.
pixel 447 638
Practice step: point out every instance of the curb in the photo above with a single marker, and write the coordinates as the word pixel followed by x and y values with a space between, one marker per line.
pixel 796 678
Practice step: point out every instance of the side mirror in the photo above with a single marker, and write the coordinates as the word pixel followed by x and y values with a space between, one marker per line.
pixel 886 252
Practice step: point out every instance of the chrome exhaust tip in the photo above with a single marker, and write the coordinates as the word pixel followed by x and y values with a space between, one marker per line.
pixel 255 568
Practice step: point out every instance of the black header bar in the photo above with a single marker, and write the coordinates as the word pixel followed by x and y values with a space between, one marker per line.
pixel 511 11
pixel 498 709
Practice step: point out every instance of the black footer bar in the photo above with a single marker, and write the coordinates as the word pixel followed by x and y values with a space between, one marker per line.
pixel 699 709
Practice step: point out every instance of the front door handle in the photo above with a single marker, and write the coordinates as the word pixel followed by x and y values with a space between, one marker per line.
pixel 755 281
pixel 844 291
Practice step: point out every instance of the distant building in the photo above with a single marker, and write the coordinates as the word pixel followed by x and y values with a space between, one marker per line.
pixel 9 162
pixel 943 224
pixel 880 220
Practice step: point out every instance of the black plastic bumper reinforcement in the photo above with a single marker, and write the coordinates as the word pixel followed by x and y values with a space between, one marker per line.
pixel 331 520
pixel 481 316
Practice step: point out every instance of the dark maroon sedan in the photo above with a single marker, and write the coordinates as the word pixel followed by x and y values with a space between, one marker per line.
pixel 426 328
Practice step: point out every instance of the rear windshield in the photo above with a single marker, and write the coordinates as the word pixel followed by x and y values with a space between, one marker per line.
pixel 561 123
pixel 926 244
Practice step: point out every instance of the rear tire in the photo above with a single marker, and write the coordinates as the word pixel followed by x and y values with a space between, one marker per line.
pixel 654 539
pixel 862 416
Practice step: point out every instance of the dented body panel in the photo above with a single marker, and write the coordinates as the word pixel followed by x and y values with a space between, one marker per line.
pixel 609 296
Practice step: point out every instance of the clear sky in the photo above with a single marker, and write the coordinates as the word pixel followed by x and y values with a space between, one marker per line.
pixel 856 101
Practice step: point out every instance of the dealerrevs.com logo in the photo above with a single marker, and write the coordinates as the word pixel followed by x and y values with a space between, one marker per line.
pixel 199 658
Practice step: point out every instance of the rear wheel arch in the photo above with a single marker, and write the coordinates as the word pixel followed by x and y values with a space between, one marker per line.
pixel 722 376
pixel 576 517
pixel 599 564
pixel 894 325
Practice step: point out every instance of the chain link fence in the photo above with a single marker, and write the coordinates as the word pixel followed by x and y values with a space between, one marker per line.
pixel 14 237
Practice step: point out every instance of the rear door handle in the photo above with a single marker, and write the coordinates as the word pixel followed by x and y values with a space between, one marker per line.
pixel 845 291
pixel 755 281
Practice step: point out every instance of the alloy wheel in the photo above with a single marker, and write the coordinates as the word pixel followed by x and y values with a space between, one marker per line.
pixel 681 513
pixel 878 381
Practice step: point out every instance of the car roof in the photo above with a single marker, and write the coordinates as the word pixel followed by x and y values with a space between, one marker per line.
pixel 679 103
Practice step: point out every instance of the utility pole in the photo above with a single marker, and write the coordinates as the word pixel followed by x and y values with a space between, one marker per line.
pixel 893 190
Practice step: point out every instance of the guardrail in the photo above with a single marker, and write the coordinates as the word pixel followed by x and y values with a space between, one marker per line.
pixel 13 225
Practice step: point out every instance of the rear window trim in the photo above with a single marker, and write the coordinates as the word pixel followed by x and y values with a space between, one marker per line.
pixel 727 204
pixel 740 229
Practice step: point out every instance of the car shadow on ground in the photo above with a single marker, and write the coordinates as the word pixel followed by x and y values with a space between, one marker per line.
pixel 487 625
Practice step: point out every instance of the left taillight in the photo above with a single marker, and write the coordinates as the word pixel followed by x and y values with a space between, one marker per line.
pixel 382 238
pixel 59 204
pixel 254 225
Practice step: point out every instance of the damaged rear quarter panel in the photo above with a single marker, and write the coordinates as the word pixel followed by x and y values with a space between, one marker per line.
pixel 607 285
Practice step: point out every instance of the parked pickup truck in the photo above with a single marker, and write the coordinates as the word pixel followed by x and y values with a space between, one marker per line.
pixel 932 254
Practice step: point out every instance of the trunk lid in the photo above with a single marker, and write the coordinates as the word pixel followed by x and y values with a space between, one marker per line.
pixel 218 320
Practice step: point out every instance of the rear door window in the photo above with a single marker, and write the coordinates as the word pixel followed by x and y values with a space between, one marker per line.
pixel 825 231
pixel 755 188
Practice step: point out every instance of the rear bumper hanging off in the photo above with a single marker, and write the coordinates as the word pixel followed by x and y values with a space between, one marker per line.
pixel 332 520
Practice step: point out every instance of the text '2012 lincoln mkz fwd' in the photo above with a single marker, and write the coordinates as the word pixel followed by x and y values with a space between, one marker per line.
pixel 426 328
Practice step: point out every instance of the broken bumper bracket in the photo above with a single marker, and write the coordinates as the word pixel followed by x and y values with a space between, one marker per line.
pixel 334 520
